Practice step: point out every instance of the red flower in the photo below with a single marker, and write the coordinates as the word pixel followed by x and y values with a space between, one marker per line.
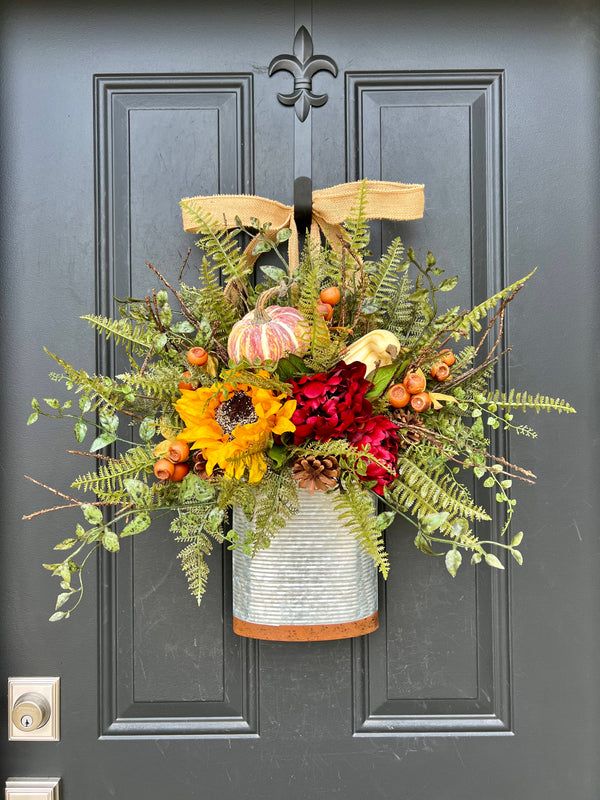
pixel 328 403
pixel 379 435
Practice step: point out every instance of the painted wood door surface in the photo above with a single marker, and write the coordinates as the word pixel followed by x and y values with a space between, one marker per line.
pixel 485 686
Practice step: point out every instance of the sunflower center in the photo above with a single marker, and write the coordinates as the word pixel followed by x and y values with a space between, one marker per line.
pixel 238 410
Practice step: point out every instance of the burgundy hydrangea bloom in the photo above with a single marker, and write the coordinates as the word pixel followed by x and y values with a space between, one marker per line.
pixel 330 402
pixel 379 435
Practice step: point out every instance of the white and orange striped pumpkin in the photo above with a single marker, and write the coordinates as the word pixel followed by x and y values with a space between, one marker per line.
pixel 268 334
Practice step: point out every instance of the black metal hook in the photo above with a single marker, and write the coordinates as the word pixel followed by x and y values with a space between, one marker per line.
pixel 303 203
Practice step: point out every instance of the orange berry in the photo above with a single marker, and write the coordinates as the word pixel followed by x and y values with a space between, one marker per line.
pixel 197 356
pixel 179 473
pixel 415 382
pixel 326 310
pixel 183 384
pixel 178 451
pixel 164 469
pixel 398 396
pixel 331 295
pixel 440 371
pixel 420 402
pixel 448 357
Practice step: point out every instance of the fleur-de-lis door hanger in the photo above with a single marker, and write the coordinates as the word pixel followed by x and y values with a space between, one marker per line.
pixel 303 66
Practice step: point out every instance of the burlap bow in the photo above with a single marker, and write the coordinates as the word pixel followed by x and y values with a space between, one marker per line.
pixel 330 208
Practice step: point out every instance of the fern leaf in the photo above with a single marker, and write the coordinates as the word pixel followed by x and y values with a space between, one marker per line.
pixel 219 244
pixel 324 349
pixel 424 487
pixel 96 387
pixel 357 224
pixel 383 276
pixel 194 566
pixel 276 503
pixel 133 337
pixel 197 528
pixel 108 479
pixel 524 401
pixel 356 510
pixel 471 319
pixel 158 382
pixel 209 302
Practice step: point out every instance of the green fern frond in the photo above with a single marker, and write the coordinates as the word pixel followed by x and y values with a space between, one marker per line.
pixel 159 381
pixel 471 319
pixel 136 338
pixel 464 359
pixel 356 509
pixel 219 244
pixel 324 349
pixel 209 302
pixel 241 374
pixel 194 566
pixel 423 484
pixel 383 276
pixel 96 387
pixel 276 503
pixel 357 225
pixel 524 401
pixel 197 528
pixel 109 477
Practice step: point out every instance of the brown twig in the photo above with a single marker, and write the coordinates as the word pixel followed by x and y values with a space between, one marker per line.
pixel 475 370
pixel 184 264
pixel 186 311
pixel 157 322
pixel 27 517
pixel 54 491
pixel 508 464
pixel 90 455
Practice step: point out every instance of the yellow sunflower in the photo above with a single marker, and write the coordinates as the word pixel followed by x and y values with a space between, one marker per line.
pixel 233 426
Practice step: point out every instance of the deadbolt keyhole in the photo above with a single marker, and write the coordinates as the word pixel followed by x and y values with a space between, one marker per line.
pixel 31 711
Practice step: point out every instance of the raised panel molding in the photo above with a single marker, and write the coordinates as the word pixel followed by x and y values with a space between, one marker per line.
pixel 234 710
pixel 376 711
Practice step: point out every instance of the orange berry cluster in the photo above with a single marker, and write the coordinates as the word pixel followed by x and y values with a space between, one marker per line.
pixel 440 371
pixel 196 357
pixel 328 298
pixel 413 389
pixel 174 466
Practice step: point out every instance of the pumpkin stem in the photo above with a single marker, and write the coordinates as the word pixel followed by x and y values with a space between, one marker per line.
pixel 263 299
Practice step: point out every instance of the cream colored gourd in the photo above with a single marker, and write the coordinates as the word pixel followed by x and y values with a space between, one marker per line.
pixel 375 349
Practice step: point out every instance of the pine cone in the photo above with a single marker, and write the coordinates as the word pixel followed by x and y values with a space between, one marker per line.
pixel 316 472
pixel 408 427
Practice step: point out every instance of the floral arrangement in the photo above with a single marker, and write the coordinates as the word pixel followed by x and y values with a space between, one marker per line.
pixel 340 376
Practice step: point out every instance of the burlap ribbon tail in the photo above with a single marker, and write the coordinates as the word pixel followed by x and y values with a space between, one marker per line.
pixel 330 208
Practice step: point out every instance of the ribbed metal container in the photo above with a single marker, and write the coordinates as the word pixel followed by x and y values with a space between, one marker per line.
pixel 314 582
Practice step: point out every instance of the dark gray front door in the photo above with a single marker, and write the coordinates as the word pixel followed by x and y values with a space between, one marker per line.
pixel 482 687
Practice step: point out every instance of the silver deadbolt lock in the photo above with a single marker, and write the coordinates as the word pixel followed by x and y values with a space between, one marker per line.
pixel 31 711
pixel 34 709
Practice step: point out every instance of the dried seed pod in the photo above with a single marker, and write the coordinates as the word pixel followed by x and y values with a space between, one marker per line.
pixel 415 381
pixel 440 371
pixel 180 471
pixel 398 396
pixel 448 357
pixel 178 451
pixel 420 402
pixel 164 469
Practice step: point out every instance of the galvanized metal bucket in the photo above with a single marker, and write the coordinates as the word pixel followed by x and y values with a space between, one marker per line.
pixel 315 581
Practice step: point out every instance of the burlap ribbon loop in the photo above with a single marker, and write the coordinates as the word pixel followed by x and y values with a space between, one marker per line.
pixel 331 208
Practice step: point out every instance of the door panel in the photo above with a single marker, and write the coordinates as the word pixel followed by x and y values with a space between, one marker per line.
pixel 439 662
pixel 480 687
pixel 166 670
